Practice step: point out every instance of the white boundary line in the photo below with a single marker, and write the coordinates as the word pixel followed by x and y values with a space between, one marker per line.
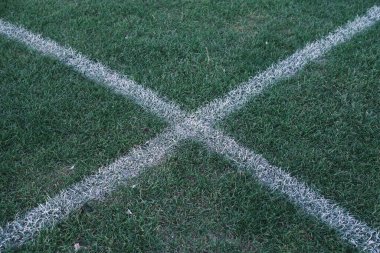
pixel 357 233
pixel 235 99
pixel 93 187
pixel 95 71
pixel 196 126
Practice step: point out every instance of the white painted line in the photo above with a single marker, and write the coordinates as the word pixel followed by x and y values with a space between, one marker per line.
pixel 354 231
pixel 95 71
pixel 195 126
pixel 237 98
pixel 93 187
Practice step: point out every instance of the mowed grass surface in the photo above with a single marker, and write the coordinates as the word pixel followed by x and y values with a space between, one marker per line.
pixel 189 51
pixel 57 127
pixel 195 202
pixel 324 126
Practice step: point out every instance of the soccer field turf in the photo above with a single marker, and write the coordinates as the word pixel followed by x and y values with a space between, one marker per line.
pixel 321 125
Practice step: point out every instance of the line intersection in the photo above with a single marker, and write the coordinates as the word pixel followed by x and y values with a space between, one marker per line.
pixel 197 126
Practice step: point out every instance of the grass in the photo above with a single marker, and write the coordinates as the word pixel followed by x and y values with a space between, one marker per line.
pixel 195 202
pixel 57 127
pixel 188 51
pixel 322 125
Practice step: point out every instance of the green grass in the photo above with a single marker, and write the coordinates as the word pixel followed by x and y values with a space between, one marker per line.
pixel 195 202
pixel 189 51
pixel 57 127
pixel 322 126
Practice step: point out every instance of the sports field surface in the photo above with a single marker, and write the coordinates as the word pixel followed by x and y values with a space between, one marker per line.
pixel 189 126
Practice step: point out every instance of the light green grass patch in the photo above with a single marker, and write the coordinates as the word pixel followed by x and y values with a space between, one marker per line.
pixel 57 127
pixel 324 126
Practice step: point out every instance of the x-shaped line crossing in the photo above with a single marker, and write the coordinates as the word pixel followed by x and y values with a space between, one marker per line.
pixel 198 126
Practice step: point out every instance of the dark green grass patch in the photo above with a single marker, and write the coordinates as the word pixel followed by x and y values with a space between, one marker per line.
pixel 324 126
pixel 195 202
pixel 189 51
pixel 56 127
